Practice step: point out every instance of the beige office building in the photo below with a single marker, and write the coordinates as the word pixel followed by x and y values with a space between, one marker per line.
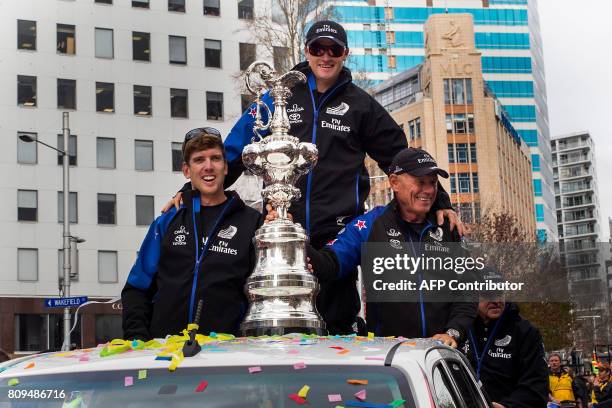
pixel 445 108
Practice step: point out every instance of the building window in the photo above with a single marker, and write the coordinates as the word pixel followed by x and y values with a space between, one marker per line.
pixel 143 155
pixel 177 156
pixel 107 267
pixel 212 53
pixel 27 264
pixel 391 61
pixel 26 35
pixel 464 182
pixel 414 129
pixel 453 184
pixel 27 205
pixel 140 3
pixel 72 150
pixel 26 90
pixel 245 9
pixel 31 331
pixel 247 54
pixel 27 152
pixel 451 153
pixel 142 100
pixel 212 8
pixel 214 106
pixel 105 153
pixel 141 46
pixel 108 327
pixel 458 91
pixel 144 210
pixel 473 157
pixel 176 5
pixel 105 97
pixel 73 214
pixel 104 43
pixel 280 56
pixel 107 204
pixel 475 182
pixel 66 93
pixel 178 49
pixel 178 103
pixel 66 40
pixel 245 102
pixel 462 152
pixel 460 123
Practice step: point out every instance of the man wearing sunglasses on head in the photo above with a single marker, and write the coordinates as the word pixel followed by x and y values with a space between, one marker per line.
pixel 345 123
pixel 202 251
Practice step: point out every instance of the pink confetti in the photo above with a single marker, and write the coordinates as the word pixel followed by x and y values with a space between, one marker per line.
pixel 84 358
pixel 299 366
pixel 361 395
pixel 202 386
pixel 297 399
pixel 293 352
pixel 253 370
pixel 129 381
pixel 375 358
pixel 334 398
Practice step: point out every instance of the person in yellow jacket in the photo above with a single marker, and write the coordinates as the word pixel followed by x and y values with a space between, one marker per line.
pixel 560 383
pixel 602 388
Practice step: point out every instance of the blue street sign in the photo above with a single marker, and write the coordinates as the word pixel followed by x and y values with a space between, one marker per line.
pixel 65 302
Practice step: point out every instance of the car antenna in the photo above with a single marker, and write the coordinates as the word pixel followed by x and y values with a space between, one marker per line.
pixel 191 346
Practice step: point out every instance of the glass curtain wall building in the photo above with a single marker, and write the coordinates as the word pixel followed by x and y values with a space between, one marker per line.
pixel 386 37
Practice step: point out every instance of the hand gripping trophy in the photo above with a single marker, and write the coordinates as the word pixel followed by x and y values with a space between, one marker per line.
pixel 281 290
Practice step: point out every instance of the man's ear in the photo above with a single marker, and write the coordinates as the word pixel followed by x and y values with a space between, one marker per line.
pixel 393 182
pixel 186 171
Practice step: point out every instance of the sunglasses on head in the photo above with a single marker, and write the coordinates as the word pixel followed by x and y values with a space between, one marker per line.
pixel 200 131
pixel 333 50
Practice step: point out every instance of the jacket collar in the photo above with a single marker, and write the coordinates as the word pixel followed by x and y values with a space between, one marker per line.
pixel 235 202
pixel 345 74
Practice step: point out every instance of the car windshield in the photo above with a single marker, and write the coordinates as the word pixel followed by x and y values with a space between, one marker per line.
pixel 210 387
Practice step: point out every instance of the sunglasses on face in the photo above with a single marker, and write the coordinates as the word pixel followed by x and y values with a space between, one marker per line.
pixel 334 50
pixel 200 131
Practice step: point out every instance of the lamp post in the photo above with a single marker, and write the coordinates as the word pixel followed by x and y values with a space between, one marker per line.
pixel 66 224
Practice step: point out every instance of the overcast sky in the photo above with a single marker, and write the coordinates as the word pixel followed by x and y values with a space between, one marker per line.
pixel 577 41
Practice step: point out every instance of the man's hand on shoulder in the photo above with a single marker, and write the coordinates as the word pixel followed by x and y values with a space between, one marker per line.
pixel 453 220
pixel 174 201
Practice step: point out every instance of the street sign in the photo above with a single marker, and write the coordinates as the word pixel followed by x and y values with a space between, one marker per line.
pixel 65 302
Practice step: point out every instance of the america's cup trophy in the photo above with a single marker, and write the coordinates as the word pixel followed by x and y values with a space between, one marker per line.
pixel 281 290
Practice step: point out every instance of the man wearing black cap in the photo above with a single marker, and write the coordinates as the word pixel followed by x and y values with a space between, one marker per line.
pixel 345 123
pixel 507 353
pixel 407 220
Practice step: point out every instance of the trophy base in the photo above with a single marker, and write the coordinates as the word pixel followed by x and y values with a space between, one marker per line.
pixel 279 327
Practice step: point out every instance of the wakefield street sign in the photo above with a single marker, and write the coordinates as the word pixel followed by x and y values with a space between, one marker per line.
pixel 65 302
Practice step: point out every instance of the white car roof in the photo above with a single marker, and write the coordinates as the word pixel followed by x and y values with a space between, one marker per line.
pixel 260 351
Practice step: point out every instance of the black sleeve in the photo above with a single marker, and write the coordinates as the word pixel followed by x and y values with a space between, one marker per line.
pixel 324 263
pixel 461 317
pixel 381 136
pixel 443 201
pixel 531 390
pixel 137 311
pixel 186 187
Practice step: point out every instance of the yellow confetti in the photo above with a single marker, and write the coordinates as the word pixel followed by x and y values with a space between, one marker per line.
pixel 142 374
pixel 370 335
pixel 304 391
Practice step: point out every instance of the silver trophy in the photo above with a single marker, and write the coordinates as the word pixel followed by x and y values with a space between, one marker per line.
pixel 281 290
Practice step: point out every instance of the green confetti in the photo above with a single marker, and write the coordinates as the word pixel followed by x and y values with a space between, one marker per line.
pixel 142 374
pixel 397 403
pixel 13 382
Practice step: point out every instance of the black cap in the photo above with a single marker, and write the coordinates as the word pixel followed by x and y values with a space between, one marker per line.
pixel 416 162
pixel 326 29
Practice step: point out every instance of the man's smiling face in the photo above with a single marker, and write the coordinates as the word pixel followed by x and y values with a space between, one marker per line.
pixel 207 170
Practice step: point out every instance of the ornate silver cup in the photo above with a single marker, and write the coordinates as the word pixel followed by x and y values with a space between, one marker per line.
pixel 281 290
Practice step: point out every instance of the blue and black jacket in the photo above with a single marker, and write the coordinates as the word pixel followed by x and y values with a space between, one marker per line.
pixel 342 255
pixel 175 268
pixel 507 355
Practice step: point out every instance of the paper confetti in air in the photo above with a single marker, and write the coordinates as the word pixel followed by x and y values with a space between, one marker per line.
pixel 297 399
pixel 29 365
pixel 334 397
pixel 397 403
pixel 13 382
pixel 357 382
pixel 360 395
pixel 299 366
pixel 253 370
pixel 128 381
pixel 202 386
pixel 142 374
pixel 304 391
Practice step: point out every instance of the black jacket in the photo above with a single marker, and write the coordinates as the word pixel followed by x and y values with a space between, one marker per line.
pixel 163 287
pixel 514 370
pixel 603 395
pixel 383 224
pixel 348 124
